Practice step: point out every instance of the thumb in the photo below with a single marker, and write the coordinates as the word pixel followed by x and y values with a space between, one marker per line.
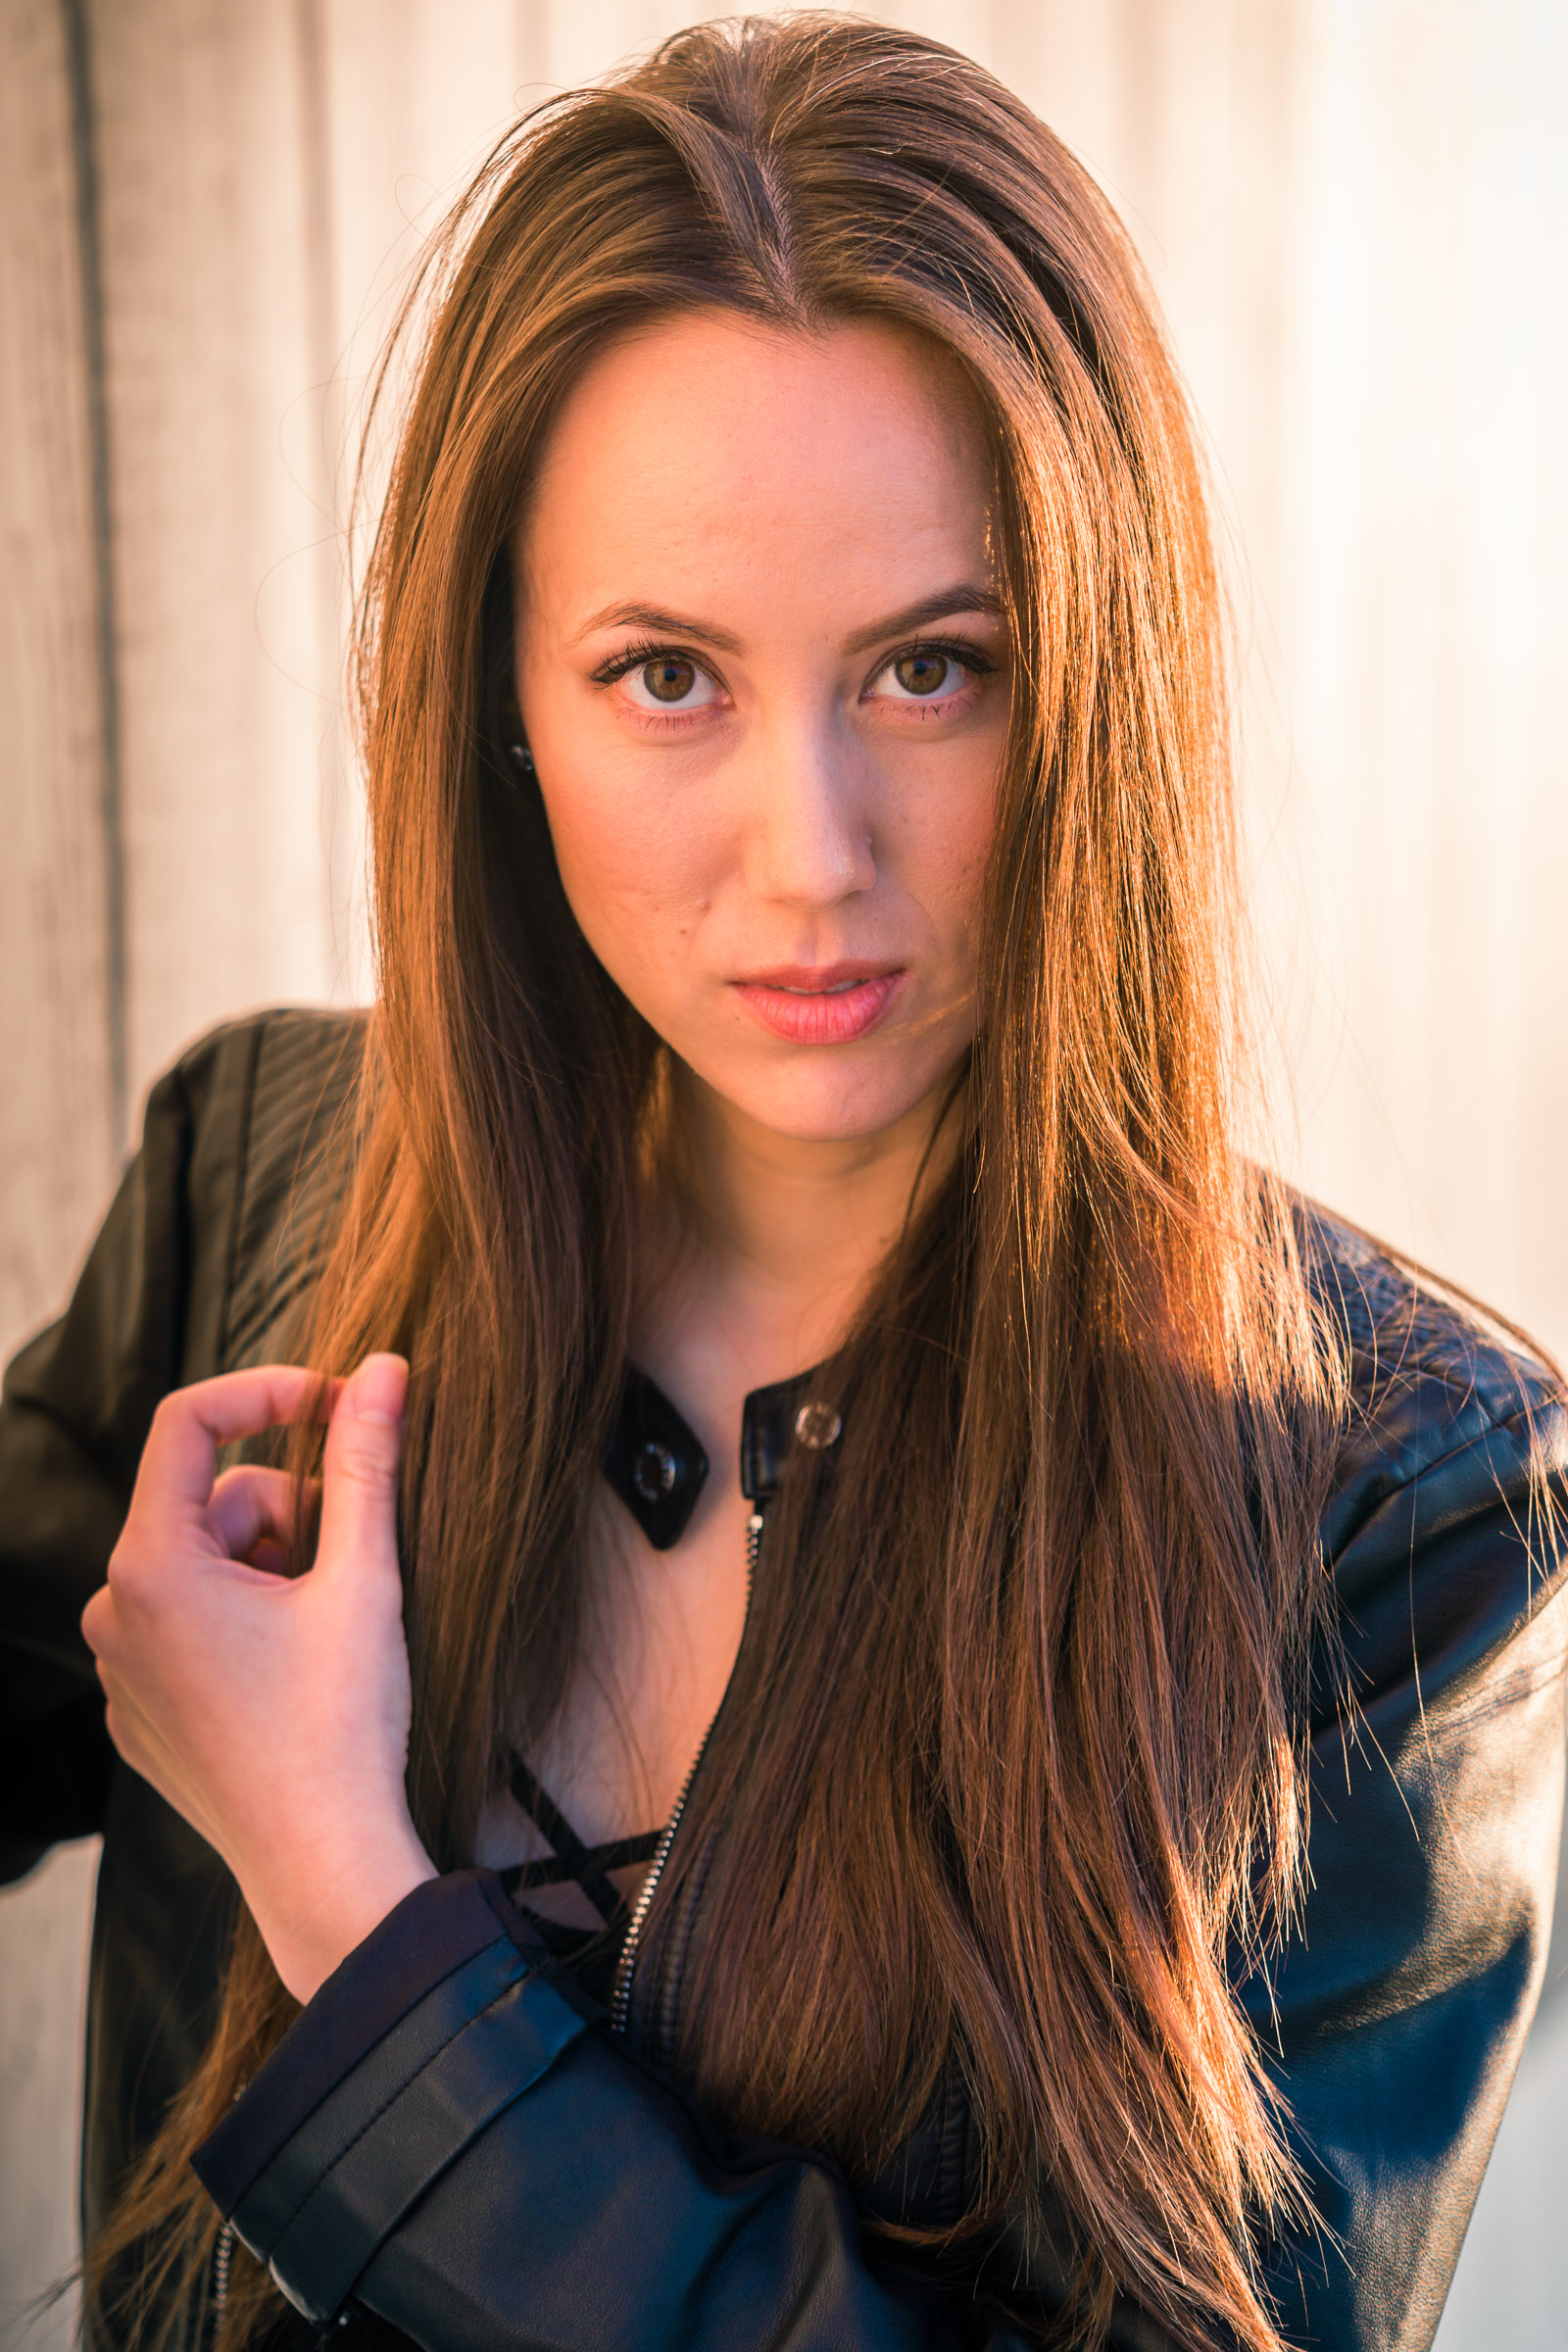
pixel 359 1472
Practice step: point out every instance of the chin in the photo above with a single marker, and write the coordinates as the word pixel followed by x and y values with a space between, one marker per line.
pixel 827 1105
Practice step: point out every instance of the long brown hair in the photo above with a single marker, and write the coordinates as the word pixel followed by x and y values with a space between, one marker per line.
pixel 1010 1763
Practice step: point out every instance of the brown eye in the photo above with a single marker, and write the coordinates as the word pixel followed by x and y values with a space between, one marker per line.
pixel 670 680
pixel 922 673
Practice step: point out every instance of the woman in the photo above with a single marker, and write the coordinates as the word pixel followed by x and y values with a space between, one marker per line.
pixel 853 1519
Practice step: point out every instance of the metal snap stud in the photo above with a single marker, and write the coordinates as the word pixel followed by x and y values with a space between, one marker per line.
pixel 654 1471
pixel 818 1425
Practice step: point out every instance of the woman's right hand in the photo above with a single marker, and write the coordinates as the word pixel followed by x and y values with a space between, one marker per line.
pixel 271 1711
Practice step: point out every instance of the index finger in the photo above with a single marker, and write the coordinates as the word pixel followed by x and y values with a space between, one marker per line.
pixel 179 1460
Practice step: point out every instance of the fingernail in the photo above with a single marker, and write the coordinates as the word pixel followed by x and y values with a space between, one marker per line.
pixel 378 1388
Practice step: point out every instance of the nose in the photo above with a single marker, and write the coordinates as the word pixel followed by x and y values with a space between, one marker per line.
pixel 808 824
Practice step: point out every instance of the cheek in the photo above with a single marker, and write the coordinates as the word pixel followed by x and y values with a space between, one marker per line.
pixel 636 868
pixel 943 850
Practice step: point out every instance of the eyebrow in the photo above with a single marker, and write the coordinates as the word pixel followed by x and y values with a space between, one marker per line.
pixel 964 597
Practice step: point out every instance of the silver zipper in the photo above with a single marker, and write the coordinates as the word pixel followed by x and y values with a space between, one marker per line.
pixel 620 1995
pixel 222 2255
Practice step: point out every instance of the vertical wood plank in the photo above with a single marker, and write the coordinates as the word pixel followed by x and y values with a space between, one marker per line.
pixel 57 1099
pixel 55 1124
pixel 43 1977
pixel 1423 600
pixel 223 706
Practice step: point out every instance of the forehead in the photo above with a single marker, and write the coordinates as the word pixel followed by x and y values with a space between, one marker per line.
pixel 707 441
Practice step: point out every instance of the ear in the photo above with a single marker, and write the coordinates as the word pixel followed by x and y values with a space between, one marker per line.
pixel 502 714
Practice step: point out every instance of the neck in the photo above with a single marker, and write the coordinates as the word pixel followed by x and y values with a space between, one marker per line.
pixel 780 1236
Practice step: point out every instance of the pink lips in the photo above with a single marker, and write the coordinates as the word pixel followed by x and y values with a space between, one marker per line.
pixel 828 1007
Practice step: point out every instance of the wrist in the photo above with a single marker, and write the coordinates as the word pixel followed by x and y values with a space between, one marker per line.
pixel 312 1923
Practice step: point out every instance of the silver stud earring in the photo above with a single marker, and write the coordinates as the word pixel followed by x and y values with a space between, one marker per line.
pixel 522 759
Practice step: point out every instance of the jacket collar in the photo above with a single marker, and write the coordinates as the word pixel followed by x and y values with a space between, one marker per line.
pixel 656 1463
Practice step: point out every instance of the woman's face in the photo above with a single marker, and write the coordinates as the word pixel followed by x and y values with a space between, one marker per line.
pixel 764 681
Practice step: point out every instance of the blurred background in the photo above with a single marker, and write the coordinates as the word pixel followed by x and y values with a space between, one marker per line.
pixel 1354 214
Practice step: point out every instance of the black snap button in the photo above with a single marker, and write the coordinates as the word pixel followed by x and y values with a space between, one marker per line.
pixel 654 1461
pixel 654 1471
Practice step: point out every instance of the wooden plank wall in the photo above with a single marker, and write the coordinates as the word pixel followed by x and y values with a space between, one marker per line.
pixel 61 1077
pixel 1355 215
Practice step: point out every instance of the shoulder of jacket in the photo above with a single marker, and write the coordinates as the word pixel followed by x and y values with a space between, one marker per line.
pixel 293 1050
pixel 266 1104
pixel 1434 1377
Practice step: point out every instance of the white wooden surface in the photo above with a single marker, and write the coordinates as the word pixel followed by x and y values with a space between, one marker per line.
pixel 1355 215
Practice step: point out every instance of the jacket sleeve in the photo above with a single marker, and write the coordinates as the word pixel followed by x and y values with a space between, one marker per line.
pixel 1393 2022
pixel 73 1417
pixel 450 2138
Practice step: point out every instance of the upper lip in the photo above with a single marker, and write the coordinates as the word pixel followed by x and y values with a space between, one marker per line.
pixel 813 976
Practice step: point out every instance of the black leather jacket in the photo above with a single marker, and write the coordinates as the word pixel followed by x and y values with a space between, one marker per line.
pixel 453 2140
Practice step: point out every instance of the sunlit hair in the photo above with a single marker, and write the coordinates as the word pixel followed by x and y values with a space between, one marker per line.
pixel 1011 1763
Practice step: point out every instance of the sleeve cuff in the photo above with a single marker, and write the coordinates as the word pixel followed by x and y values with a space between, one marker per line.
pixel 305 2164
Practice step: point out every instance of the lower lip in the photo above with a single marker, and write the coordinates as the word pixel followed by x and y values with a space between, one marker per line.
pixel 822 1019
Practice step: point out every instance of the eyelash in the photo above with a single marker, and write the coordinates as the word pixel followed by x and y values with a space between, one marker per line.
pixel 953 649
pixel 636 656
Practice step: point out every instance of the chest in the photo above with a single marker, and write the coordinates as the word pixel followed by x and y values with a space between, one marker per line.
pixel 674 1533
pixel 660 1635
